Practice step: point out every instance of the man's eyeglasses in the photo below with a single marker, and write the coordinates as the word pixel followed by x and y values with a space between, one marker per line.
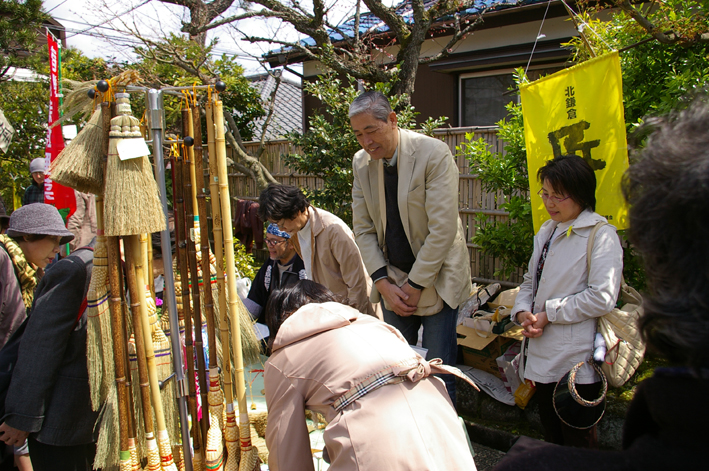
pixel 555 199
pixel 273 242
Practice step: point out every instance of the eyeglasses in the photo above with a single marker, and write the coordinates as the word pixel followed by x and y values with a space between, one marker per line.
pixel 555 199
pixel 273 243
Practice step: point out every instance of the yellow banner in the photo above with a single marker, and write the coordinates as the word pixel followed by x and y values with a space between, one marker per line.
pixel 579 111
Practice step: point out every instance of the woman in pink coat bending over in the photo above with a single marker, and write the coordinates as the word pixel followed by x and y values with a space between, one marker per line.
pixel 384 409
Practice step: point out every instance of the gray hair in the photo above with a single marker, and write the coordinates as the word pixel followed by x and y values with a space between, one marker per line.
pixel 374 103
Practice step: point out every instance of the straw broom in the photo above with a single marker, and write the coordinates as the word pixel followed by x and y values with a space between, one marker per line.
pixel 80 164
pixel 231 429
pixel 132 205
pixel 141 328
pixel 215 447
pixel 161 347
pixel 249 454
pixel 180 236
pixel 196 303
pixel 119 353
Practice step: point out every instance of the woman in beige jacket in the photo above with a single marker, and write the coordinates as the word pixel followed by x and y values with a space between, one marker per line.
pixel 383 408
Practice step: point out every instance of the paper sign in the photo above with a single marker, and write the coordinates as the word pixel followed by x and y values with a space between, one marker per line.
pixel 6 132
pixel 132 148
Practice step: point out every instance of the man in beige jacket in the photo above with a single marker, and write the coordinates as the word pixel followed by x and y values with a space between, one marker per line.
pixel 406 224
pixel 322 240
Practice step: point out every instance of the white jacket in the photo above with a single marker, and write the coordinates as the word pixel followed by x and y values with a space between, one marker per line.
pixel 571 297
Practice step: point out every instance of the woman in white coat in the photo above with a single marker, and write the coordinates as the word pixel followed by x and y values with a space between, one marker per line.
pixel 560 300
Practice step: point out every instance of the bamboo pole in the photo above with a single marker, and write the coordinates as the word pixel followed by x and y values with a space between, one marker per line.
pixel 248 460
pixel 180 236
pixel 194 278
pixel 214 446
pixel 188 130
pixel 219 253
pixel 138 245
pixel 133 259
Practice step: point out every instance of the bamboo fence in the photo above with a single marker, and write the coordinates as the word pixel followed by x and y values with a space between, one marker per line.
pixel 472 200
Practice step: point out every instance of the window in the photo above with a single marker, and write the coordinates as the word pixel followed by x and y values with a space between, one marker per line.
pixel 482 95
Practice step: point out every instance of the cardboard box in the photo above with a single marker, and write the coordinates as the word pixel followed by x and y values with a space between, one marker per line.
pixel 480 350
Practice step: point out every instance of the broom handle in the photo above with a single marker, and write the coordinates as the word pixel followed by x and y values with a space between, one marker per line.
pixel 133 260
pixel 204 238
pixel 180 225
pixel 114 304
pixel 230 266
pixel 196 304
pixel 139 245
pixel 219 254
pixel 188 130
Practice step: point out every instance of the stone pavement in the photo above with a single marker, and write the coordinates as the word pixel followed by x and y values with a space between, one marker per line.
pixel 485 457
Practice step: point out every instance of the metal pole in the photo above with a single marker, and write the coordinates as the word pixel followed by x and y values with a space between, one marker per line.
pixel 154 107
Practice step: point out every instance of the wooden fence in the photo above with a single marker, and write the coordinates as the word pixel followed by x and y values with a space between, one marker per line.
pixel 472 200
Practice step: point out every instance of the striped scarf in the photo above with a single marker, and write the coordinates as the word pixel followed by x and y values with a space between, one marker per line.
pixel 26 273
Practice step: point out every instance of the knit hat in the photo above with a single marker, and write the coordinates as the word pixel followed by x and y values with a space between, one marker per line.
pixel 273 230
pixel 38 219
pixel 37 165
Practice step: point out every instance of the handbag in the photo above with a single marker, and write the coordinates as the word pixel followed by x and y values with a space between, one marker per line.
pixel 625 347
pixel 430 302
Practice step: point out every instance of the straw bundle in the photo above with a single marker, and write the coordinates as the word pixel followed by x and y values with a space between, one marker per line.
pixel 179 457
pixel 80 164
pixel 231 434
pixel 214 447
pixel 134 461
pixel 132 205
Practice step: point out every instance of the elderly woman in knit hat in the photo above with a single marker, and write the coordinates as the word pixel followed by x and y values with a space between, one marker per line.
pixel 34 193
pixel 32 240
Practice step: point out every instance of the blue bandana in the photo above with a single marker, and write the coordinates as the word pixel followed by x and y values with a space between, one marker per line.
pixel 273 230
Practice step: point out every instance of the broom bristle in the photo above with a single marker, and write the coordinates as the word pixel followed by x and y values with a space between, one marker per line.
pixel 131 202
pixel 80 164
pixel 107 447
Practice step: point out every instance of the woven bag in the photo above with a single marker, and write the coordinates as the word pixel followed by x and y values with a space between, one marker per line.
pixel 624 345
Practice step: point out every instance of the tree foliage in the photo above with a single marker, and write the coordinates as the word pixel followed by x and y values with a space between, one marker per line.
pixel 20 24
pixel 504 174
pixel 329 144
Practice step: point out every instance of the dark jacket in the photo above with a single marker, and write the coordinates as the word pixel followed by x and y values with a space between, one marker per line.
pixel 49 394
pixel 665 428
pixel 33 194
pixel 267 280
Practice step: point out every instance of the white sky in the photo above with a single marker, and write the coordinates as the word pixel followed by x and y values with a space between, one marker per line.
pixel 86 21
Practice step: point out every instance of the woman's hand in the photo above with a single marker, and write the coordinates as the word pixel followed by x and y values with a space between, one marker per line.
pixel 533 324
pixel 12 436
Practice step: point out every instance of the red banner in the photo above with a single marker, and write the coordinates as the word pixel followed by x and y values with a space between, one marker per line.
pixel 59 196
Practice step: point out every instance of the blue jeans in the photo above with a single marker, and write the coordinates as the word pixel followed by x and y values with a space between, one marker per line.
pixel 439 337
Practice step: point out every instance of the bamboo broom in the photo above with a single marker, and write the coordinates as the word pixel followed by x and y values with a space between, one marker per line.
pixel 196 298
pixel 132 205
pixel 80 165
pixel 249 454
pixel 231 429
pixel 141 326
pixel 116 310
pixel 163 363
pixel 215 448
pixel 180 236
pixel 141 357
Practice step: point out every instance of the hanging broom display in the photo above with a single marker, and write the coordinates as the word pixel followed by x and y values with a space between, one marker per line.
pixel 132 205
pixel 249 454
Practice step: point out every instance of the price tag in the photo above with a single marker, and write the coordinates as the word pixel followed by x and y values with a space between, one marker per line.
pixel 132 148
